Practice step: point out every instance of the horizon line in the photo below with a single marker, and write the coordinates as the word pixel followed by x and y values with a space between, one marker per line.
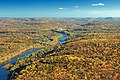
pixel 60 17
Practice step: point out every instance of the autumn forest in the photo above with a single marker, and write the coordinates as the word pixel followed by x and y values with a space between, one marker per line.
pixel 65 48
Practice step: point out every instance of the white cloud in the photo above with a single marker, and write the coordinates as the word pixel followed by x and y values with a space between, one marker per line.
pixel 98 4
pixel 76 6
pixel 60 8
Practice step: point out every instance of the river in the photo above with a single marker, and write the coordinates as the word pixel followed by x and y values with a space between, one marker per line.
pixel 4 73
pixel 3 32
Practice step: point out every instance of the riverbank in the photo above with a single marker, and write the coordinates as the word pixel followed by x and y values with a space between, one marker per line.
pixel 12 55
pixel 54 39
pixel 30 58
pixel 52 42
pixel 23 62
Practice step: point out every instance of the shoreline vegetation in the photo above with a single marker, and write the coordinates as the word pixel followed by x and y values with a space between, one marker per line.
pixel 12 55
pixel 55 41
pixel 9 57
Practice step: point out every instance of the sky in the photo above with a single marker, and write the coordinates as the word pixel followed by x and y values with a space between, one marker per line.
pixel 59 8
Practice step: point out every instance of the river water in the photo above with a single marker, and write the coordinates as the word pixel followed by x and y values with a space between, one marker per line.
pixel 63 38
pixel 4 73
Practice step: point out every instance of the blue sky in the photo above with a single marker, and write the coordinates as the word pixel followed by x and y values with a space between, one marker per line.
pixel 59 8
